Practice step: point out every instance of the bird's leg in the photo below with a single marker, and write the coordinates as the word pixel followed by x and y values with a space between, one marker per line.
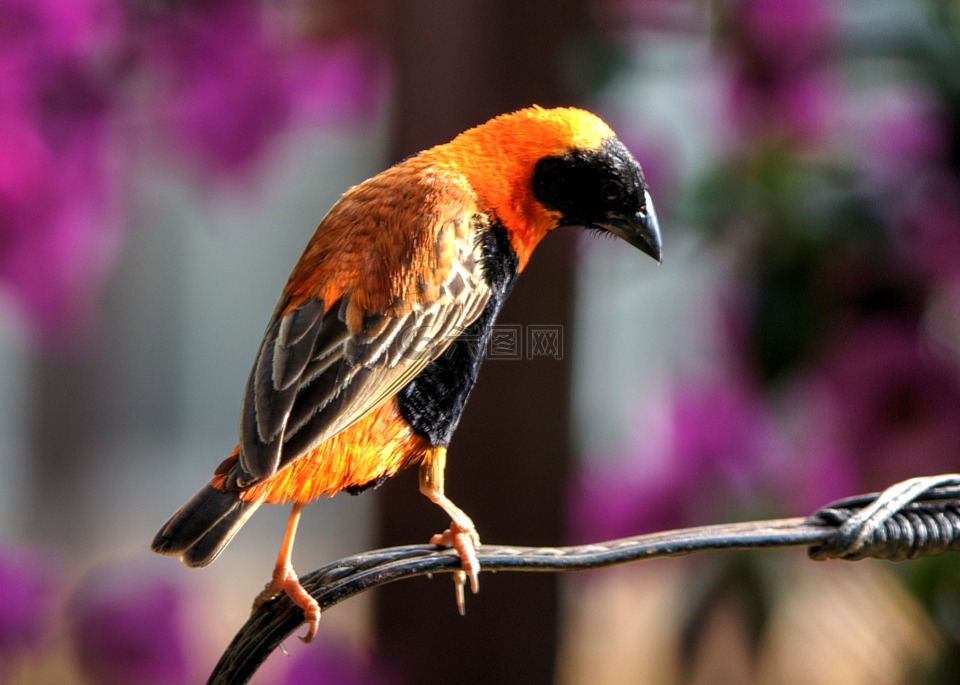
pixel 461 535
pixel 285 580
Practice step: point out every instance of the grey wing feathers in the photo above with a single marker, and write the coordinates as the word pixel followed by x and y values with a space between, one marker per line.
pixel 375 365
pixel 288 346
pixel 202 527
pixel 314 376
pixel 346 376
pixel 295 344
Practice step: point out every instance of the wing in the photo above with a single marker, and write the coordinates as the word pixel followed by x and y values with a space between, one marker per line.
pixel 324 364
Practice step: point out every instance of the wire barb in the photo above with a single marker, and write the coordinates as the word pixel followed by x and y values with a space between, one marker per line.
pixel 917 517
pixel 894 525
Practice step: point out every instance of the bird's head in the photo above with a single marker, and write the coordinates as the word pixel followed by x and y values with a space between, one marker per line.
pixel 600 187
pixel 543 168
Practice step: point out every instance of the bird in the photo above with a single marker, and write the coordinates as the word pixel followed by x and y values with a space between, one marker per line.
pixel 372 351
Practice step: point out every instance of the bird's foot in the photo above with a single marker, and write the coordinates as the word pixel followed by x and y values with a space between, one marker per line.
pixel 285 580
pixel 464 539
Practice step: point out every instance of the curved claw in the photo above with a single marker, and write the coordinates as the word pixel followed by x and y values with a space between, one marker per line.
pixel 312 619
pixel 459 582
pixel 465 541
pixel 285 580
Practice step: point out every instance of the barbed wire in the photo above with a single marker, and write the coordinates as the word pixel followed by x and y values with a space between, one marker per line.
pixel 914 518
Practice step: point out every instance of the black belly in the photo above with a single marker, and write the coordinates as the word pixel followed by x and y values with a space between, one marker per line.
pixel 433 402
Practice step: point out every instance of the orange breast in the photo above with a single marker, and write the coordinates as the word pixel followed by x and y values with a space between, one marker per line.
pixel 376 446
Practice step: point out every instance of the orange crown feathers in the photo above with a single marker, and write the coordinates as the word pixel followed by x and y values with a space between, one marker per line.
pixel 498 158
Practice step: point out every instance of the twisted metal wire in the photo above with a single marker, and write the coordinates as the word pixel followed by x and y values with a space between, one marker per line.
pixel 910 519
pixel 893 526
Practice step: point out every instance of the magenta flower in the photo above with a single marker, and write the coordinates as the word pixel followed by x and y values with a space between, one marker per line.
pixel 331 663
pixel 79 27
pixel 801 110
pixel 783 36
pixel 57 235
pixel 27 185
pixel 716 448
pixel 901 134
pixel 80 79
pixel 33 30
pixel 28 597
pixel 928 228
pixel 220 89
pixel 59 62
pixel 230 81
pixel 127 627
pixel 782 84
pixel 883 408
pixel 58 215
pixel 336 83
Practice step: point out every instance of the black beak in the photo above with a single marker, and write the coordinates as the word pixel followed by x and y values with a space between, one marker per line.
pixel 640 230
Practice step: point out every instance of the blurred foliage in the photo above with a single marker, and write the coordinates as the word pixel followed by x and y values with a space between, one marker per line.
pixel 835 200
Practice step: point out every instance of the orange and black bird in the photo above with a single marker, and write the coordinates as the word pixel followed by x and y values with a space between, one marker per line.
pixel 375 345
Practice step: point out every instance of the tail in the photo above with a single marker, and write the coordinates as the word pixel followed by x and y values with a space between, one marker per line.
pixel 202 527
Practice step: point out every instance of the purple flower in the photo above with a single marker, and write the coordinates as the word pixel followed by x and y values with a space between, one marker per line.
pixel 57 237
pixel 716 446
pixel 69 100
pixel 928 229
pixel 230 78
pixel 788 36
pixel 28 595
pixel 220 88
pixel 127 627
pixel 58 58
pixel 800 110
pixel 882 407
pixel 28 199
pixel 340 82
pixel 782 84
pixel 900 134
pixel 332 663
pixel 223 78
pixel 62 26
pixel 58 221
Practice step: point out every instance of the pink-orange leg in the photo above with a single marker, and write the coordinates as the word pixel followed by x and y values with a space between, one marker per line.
pixel 285 579
pixel 461 535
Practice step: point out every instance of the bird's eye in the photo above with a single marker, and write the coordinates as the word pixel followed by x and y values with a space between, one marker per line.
pixel 610 191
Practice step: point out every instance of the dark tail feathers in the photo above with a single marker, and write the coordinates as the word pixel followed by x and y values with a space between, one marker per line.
pixel 202 527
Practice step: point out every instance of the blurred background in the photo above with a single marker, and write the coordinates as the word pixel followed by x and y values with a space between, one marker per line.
pixel 162 165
